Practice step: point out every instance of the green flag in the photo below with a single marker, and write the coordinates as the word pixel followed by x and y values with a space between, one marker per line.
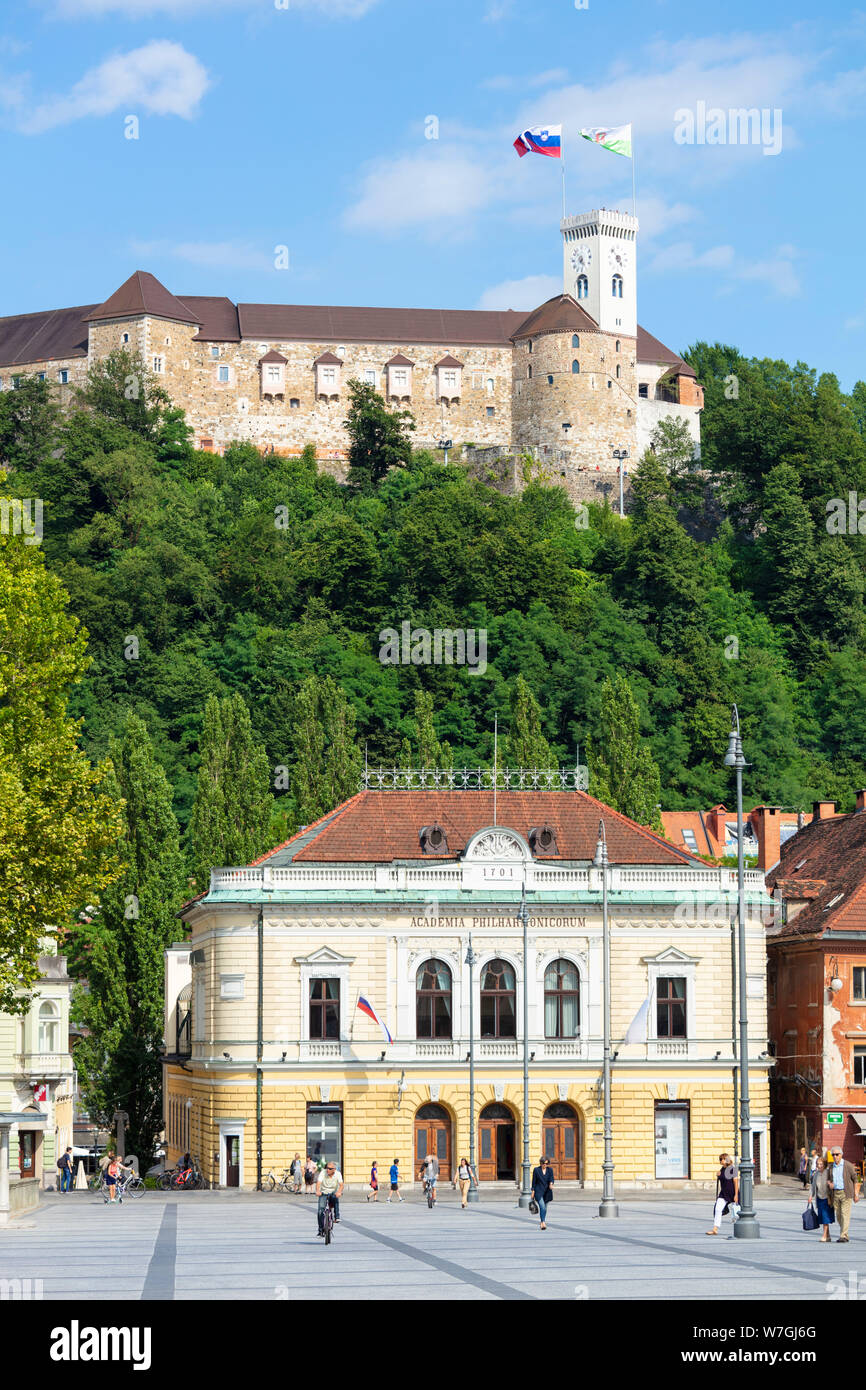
pixel 615 138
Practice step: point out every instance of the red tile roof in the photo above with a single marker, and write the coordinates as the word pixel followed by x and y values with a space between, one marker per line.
pixel 705 826
pixel 830 853
pixel 48 336
pixel 142 293
pixel 561 314
pixel 382 826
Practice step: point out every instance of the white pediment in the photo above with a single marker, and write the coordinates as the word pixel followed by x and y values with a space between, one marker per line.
pixel 671 955
pixel 497 842
pixel 324 956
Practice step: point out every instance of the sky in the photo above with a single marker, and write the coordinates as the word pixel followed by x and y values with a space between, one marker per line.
pixel 360 152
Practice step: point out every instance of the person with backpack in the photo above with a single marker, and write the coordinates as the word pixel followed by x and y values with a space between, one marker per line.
pixel 64 1167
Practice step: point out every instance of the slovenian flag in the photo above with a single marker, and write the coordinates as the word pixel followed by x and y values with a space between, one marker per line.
pixel 617 139
pixel 541 139
pixel 367 1008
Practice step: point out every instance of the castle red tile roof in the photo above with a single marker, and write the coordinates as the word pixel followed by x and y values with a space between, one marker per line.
pixel 273 356
pixel 828 855
pixel 383 826
pixel 48 336
pixel 142 293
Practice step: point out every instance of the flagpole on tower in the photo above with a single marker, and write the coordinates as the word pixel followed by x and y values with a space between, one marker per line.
pixel 562 158
pixel 633 203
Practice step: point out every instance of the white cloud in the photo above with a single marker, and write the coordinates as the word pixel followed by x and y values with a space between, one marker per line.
pixel 435 189
pixel 159 79
pixel 139 9
pixel 776 274
pixel 237 255
pixel 526 294
pixel 656 216
pixel 497 10
pixel 682 256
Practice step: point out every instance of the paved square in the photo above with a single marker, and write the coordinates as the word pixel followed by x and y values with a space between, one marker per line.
pixel 264 1246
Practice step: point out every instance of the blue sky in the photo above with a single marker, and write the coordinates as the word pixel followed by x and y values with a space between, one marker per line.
pixel 306 127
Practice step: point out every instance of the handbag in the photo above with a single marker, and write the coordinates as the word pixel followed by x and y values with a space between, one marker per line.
pixel 810 1219
pixel 533 1206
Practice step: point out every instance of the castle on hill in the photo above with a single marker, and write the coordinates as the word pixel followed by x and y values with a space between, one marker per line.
pixel 569 382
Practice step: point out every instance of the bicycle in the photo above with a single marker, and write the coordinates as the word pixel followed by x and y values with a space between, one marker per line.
pixel 133 1186
pixel 430 1191
pixel 328 1222
pixel 283 1184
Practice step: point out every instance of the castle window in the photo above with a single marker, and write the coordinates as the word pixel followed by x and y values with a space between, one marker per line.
pixel 168 342
pixel 643 390
pixel 575 367
pixel 617 344
pixel 370 376
pixel 609 383
pixel 491 384
pixel 550 380
pixel 582 287
pixel 329 376
pixel 294 403
pixel 575 341
pixel 618 370
pixel 222 373
pixel 40 376
pixel 491 410
pixel 341 352
pixel 529 345
pixel 214 352
pixel 529 370
pixel 63 376
pixel 401 379
pixel 616 287
pixel 124 337
pixel 263 347
pixel 158 365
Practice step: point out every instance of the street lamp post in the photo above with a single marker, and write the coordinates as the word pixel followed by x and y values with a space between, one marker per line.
pixel 523 916
pixel 608 1206
pixel 746 1226
pixel 471 958
pixel 621 455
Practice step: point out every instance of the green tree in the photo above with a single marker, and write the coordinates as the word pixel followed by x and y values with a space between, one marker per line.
pixel 622 772
pixel 57 827
pixel 28 425
pixel 378 437
pixel 327 766
pixel 233 805
pixel 526 746
pixel 118 952
pixel 120 387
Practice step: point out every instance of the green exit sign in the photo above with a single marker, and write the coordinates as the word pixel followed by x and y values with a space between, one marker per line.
pixel 835 1119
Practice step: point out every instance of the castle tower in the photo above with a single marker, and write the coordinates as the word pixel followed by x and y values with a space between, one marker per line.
pixel 599 267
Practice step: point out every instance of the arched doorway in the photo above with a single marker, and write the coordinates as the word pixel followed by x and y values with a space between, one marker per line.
pixel 497 1159
pixel 560 1140
pixel 433 1136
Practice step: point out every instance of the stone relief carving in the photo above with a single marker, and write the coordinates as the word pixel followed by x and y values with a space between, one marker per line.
pixel 497 844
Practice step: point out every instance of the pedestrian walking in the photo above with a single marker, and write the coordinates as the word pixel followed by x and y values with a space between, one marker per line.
pixel 542 1189
pixel 846 1191
pixel 727 1192
pixel 803 1167
pixel 464 1178
pixel 297 1172
pixel 374 1182
pixel 395 1181
pixel 310 1175
pixel 64 1167
pixel 821 1193
pixel 110 1173
pixel 813 1159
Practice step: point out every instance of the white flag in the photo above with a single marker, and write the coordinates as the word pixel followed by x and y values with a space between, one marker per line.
pixel 637 1029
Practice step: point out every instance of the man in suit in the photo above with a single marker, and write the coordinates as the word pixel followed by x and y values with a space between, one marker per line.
pixel 846 1191
pixel 542 1182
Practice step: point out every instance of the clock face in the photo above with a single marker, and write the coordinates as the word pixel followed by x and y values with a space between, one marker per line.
pixel 581 259
pixel 618 257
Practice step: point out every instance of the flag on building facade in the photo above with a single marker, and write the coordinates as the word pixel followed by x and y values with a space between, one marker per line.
pixel 541 139
pixel 367 1008
pixel 637 1029
pixel 617 139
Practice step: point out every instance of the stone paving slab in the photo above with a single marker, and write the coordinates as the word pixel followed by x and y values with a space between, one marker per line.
pixel 259 1248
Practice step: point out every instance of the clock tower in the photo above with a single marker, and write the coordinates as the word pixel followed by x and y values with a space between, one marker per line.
pixel 599 264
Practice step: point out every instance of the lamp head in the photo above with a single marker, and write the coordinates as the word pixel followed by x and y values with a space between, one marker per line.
pixel 601 848
pixel 734 752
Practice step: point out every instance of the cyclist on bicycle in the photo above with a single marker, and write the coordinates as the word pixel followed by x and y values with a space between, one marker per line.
pixel 430 1172
pixel 329 1188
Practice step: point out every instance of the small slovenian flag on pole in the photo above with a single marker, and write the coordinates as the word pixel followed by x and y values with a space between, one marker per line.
pixel 367 1008
pixel 541 139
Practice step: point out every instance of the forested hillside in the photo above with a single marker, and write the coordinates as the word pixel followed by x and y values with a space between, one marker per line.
pixel 198 575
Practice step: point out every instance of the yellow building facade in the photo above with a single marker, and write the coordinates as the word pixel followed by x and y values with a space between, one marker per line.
pixel 266 1047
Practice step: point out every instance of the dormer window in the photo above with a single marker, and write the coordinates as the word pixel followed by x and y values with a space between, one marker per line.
pixel 433 839
pixel 542 839
pixel 273 373
pixel 327 375
pixel 450 377
pixel 399 370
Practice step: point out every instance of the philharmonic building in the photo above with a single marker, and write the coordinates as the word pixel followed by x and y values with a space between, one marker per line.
pixel 266 1045
pixel 568 382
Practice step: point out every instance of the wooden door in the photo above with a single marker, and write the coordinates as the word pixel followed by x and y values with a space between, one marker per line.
pixel 560 1141
pixel 433 1136
pixel 496 1144
pixel 233 1166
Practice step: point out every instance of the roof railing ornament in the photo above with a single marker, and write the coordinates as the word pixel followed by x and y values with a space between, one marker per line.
pixel 474 779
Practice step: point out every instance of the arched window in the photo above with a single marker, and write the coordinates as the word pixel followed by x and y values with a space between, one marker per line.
pixel 498 1001
pixel 433 1000
pixel 582 287
pixel 616 287
pixel 491 386
pixel 561 1000
pixel 617 344
pixel 575 341
pixel 618 369
pixel 529 370
pixel 575 367
pixel 49 1026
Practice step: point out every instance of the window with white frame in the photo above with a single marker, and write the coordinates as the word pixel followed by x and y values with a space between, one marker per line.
pixel 124 337
pixel 223 374
pixel 214 352
pixel 400 379
pixel 63 376
pixel 158 365
pixel 371 376
pixel 449 379
pixel 274 374
pixel 672 983
pixel 49 1025
pixel 491 386
pixel 859 1065
pixel 329 376
pixel 231 986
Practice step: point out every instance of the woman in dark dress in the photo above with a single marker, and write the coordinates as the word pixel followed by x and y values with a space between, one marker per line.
pixel 727 1191
pixel 542 1182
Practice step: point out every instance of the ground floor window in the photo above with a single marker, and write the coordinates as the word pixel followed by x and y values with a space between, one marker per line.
pixel 325 1133
pixel 672 1139
pixel 27 1141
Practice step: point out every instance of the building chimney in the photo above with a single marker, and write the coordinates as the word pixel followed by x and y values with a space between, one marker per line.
pixel 767 824
pixel 823 810
pixel 861 801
